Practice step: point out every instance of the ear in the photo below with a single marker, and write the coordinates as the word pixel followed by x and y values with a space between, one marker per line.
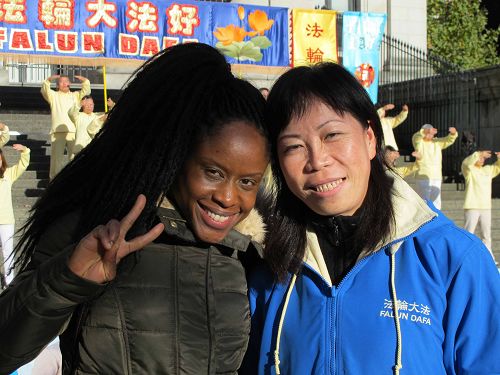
pixel 371 142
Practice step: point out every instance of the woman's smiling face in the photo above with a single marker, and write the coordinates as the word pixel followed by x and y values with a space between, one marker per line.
pixel 325 159
pixel 218 185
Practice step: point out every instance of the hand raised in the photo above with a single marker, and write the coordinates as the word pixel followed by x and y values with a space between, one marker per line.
pixel 18 147
pixel 97 255
pixel 80 78
pixel 452 130
pixel 486 154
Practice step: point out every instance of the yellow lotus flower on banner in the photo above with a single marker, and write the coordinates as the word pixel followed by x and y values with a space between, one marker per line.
pixel 241 12
pixel 229 34
pixel 231 38
pixel 259 22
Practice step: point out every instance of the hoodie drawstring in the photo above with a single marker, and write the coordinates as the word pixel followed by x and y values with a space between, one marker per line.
pixel 399 344
pixel 280 326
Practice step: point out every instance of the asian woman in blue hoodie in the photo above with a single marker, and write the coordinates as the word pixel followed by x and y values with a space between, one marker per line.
pixel 364 276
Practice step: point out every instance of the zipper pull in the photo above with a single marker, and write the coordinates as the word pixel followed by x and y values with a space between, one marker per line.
pixel 337 232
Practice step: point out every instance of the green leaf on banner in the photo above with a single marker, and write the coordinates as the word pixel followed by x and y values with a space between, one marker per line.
pixel 250 52
pixel 262 42
pixel 230 50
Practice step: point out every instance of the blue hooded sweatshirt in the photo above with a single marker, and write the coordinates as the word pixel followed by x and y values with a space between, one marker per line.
pixel 446 319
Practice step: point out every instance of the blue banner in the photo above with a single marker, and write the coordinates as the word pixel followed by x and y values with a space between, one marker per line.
pixel 361 38
pixel 129 29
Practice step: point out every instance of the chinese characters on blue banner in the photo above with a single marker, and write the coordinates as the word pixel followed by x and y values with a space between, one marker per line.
pixel 129 29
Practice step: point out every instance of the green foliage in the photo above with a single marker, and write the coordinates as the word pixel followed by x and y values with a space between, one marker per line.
pixel 456 31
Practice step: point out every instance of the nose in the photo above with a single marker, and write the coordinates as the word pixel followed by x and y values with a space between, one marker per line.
pixel 318 158
pixel 226 194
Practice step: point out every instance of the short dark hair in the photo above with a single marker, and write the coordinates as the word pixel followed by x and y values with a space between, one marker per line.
pixel 389 148
pixel 87 97
pixel 290 98
pixel 177 97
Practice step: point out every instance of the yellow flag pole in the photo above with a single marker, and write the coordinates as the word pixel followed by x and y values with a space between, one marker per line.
pixel 105 88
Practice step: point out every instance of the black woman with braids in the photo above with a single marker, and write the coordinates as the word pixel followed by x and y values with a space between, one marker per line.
pixel 137 253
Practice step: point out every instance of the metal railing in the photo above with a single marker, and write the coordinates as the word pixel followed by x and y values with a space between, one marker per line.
pixel 34 74
pixel 400 61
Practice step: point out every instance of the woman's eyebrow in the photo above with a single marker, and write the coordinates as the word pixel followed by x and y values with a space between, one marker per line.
pixel 297 135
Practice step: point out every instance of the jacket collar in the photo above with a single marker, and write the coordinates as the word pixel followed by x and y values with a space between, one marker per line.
pixel 410 213
pixel 251 230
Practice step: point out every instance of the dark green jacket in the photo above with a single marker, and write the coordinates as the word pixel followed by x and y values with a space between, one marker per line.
pixel 175 307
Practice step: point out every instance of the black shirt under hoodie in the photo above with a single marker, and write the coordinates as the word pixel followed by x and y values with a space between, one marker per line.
pixel 336 237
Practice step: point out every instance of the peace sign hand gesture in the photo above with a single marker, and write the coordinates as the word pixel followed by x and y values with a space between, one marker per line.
pixel 97 255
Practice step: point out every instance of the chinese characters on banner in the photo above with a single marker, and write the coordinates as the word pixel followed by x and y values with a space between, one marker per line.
pixel 135 29
pixel 362 35
pixel 314 36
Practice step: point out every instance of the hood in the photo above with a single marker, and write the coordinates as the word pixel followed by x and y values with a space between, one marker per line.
pixel 410 214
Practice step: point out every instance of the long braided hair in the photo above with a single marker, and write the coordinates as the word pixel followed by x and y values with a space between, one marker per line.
pixel 178 96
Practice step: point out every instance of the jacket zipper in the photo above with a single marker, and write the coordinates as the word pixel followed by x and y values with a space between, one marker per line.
pixel 78 329
pixel 333 325
pixel 209 317
pixel 124 331
pixel 335 292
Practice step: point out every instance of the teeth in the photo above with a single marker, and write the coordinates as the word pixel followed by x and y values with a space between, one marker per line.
pixel 216 217
pixel 327 187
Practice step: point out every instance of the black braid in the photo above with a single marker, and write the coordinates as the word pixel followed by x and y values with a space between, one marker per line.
pixel 180 95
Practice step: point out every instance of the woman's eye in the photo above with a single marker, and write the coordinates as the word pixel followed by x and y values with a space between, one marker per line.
pixel 248 182
pixel 331 135
pixel 213 173
pixel 291 148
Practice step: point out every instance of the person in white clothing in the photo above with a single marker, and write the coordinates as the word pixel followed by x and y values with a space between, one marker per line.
pixel 49 361
pixel 82 116
pixel 62 132
pixel 391 155
pixel 477 204
pixel 8 175
pixel 429 174
pixel 389 123
pixel 4 134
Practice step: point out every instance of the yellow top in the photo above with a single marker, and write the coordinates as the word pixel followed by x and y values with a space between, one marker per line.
pixel 478 182
pixel 429 166
pixel 82 121
pixel 389 123
pixel 95 126
pixel 10 175
pixel 406 170
pixel 4 136
pixel 61 103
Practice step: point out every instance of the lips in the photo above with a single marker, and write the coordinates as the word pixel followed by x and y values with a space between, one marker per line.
pixel 329 186
pixel 216 217
pixel 218 220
